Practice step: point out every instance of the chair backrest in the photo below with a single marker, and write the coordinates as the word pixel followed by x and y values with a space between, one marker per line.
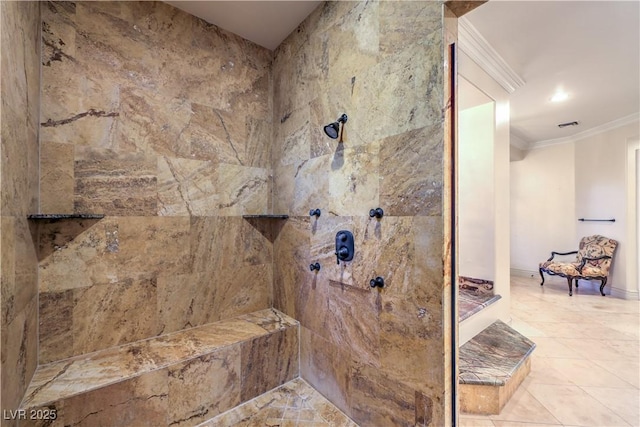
pixel 596 246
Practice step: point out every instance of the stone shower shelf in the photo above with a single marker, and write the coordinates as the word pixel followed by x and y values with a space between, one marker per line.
pixel 265 216
pixel 64 216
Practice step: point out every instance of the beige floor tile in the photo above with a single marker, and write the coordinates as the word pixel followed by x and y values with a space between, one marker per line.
pixel 601 349
pixel 586 373
pixel 596 330
pixel 628 370
pixel 630 350
pixel 573 406
pixel 627 323
pixel 526 328
pixel 553 347
pixel 585 370
pixel 625 316
pixel 475 422
pixel 524 407
pixel 528 314
pixel 550 312
pixel 542 372
pixel 591 330
pixel 517 424
pixel 625 403
pixel 555 330
pixel 609 305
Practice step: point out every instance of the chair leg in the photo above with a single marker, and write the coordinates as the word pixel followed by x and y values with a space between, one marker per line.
pixel 570 282
pixel 604 282
pixel 540 270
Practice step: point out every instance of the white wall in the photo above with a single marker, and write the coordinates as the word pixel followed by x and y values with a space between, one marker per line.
pixel 476 243
pixel 471 72
pixel 542 206
pixel 636 256
pixel 601 192
pixel 633 219
pixel 555 185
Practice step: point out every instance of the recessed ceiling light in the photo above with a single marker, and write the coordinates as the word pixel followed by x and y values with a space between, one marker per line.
pixel 559 97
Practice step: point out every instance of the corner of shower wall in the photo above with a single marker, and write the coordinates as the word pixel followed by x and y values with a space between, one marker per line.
pixel 20 95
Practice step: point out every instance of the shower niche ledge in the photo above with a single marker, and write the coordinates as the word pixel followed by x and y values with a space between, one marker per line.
pixel 36 217
pixel 266 216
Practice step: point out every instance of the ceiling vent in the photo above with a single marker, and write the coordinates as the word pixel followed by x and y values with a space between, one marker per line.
pixel 564 125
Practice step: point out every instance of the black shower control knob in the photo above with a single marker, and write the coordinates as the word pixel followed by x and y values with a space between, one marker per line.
pixel 377 282
pixel 315 266
pixel 377 213
pixel 342 237
pixel 314 212
pixel 343 253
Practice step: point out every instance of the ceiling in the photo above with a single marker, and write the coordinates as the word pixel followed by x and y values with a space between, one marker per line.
pixel 266 23
pixel 589 49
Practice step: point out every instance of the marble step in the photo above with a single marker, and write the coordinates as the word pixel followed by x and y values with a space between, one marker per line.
pixel 473 296
pixel 491 367
pixel 470 304
pixel 181 378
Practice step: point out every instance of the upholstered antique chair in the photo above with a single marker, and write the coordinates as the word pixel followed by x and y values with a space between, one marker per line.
pixel 593 259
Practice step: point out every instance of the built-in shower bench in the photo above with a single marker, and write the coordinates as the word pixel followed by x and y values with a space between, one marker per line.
pixel 180 378
pixel 491 367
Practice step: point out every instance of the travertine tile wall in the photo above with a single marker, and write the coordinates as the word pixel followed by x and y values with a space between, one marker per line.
pixel 377 354
pixel 163 123
pixel 171 127
pixel 20 94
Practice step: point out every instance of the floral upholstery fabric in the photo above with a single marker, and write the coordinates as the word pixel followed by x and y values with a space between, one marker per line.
pixel 590 247
pixel 571 269
pixel 594 247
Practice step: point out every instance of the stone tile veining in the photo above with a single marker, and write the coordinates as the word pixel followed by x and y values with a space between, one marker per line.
pixel 493 355
pixel 294 404
pixel 80 374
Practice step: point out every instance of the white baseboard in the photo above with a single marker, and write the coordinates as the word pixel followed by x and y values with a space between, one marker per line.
pixel 633 295
pixel 524 273
pixel 625 294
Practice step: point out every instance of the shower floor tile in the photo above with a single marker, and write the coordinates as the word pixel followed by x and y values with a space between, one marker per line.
pixel 294 404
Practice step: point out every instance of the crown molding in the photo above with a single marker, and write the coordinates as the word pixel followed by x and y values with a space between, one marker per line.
pixel 518 142
pixel 623 121
pixel 482 53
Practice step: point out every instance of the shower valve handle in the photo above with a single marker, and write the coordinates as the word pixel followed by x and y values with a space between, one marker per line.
pixel 342 253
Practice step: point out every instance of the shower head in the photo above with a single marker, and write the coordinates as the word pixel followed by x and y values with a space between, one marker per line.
pixel 332 129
